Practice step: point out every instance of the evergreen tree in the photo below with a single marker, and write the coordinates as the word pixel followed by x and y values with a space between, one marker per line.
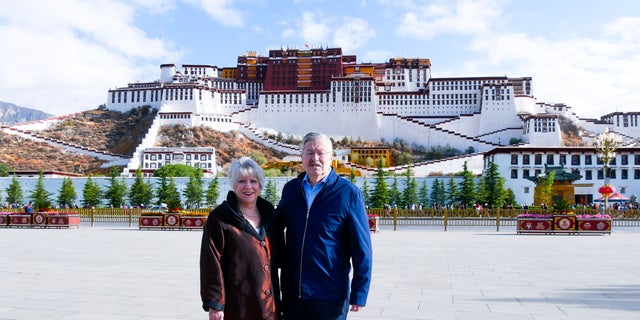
pixel 4 169
pixel 467 195
pixel 193 192
pixel 14 192
pixel 481 192
pixel 67 196
pixel 496 194
pixel 271 192
pixel 435 189
pixel 410 192
pixel 40 196
pixel 212 192
pixel 352 176
pixel 117 189
pixel 365 193
pixel 380 195
pixel 140 193
pixel 511 198
pixel 453 195
pixel 91 193
pixel 394 193
pixel 442 196
pixel 172 195
pixel 162 191
pixel 423 194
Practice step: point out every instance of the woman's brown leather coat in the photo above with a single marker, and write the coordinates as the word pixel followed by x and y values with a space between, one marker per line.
pixel 236 272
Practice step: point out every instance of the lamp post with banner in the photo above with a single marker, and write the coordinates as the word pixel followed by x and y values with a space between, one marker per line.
pixel 606 145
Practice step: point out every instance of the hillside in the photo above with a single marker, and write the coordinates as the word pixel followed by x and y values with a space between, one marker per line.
pixel 121 133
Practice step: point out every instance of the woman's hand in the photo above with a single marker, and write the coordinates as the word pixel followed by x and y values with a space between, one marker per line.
pixel 216 314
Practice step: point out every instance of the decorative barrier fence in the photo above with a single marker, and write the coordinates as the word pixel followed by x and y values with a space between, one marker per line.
pixel 40 220
pixel 438 218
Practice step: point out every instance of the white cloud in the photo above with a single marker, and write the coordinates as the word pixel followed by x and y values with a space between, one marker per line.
pixel 352 34
pixel 63 56
pixel 467 17
pixel 594 76
pixel 222 12
pixel 314 28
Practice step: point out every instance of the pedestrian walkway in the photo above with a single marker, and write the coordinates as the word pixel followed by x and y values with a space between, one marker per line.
pixel 115 272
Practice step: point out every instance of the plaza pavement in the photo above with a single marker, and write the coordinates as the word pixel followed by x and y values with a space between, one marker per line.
pixel 112 271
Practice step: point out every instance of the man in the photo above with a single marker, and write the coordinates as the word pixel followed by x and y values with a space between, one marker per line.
pixel 327 230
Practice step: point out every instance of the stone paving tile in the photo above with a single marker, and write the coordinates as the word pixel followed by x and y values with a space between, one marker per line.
pixel 112 271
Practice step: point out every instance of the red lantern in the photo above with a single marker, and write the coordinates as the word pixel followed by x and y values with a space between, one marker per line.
pixel 606 190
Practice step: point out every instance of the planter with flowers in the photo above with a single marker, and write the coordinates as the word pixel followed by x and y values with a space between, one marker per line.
pixel 374 220
pixel 596 223
pixel 535 223
pixel 62 220
pixel 151 220
pixel 193 220
pixel 4 218
pixel 175 219
pixel 40 219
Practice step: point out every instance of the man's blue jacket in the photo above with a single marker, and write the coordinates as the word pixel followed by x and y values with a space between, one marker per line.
pixel 322 242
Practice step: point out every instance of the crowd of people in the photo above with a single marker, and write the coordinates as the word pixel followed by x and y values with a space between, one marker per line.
pixel 311 258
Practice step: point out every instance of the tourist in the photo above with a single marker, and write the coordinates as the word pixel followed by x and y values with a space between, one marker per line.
pixel 327 230
pixel 237 280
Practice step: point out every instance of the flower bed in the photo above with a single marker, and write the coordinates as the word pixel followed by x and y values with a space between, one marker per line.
pixel 563 224
pixel 40 220
pixel 599 223
pixel 172 220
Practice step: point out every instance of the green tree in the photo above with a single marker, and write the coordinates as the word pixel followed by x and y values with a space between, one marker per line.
pixel 40 196
pixel 423 194
pixel 140 193
pixel 496 194
pixel 467 195
pixel 258 157
pixel 117 189
pixel 365 193
pixel 404 158
pixel 380 195
pixel 91 194
pixel 352 176
pixel 394 192
pixel 176 170
pixel 67 196
pixel 438 196
pixel 544 190
pixel 173 200
pixel 453 194
pixel 5 169
pixel 194 191
pixel 410 192
pixel 213 192
pixel 162 190
pixel 481 192
pixel 271 192
pixel 14 191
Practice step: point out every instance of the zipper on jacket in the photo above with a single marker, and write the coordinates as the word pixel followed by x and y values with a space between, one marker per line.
pixel 304 237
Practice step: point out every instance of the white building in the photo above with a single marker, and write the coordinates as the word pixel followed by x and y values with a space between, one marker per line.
pixel 203 158
pixel 517 163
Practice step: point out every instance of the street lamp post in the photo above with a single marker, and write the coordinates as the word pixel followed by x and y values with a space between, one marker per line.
pixel 606 145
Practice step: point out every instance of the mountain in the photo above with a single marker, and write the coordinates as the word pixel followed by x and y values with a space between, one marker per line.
pixel 12 114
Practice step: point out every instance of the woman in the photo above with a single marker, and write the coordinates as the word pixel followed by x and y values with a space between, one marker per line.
pixel 237 280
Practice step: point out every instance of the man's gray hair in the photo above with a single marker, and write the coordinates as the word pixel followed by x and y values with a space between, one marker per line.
pixel 316 136
pixel 245 166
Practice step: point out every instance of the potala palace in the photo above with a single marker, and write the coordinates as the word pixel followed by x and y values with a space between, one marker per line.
pixel 493 118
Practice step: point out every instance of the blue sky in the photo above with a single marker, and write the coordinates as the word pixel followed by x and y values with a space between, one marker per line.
pixel 62 56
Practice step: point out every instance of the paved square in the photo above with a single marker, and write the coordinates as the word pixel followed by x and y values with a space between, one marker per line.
pixel 112 271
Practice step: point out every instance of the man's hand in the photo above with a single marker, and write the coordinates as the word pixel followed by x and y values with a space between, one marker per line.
pixel 356 308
